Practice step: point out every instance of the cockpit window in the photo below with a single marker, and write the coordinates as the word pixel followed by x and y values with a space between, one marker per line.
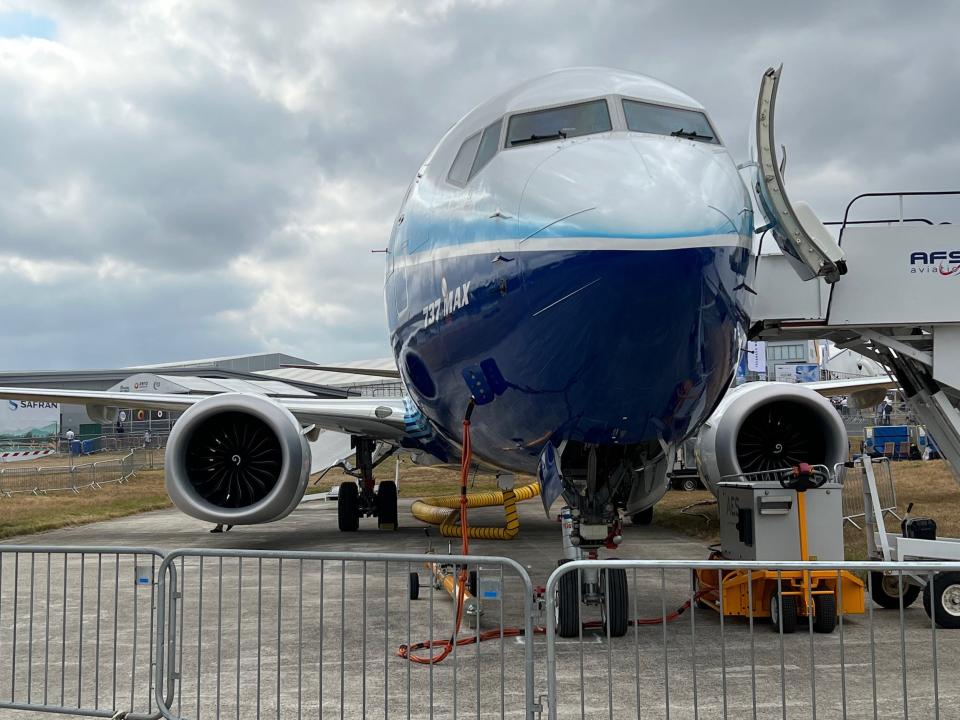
pixel 662 120
pixel 460 170
pixel 488 146
pixel 558 123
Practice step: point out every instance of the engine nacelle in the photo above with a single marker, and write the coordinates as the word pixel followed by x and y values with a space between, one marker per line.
pixel 769 426
pixel 237 459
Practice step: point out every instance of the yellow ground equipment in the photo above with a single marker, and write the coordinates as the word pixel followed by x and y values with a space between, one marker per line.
pixel 446 577
pixel 768 520
pixel 444 510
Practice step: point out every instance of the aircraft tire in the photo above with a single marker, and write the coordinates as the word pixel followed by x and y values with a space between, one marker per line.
pixel 348 507
pixel 616 603
pixel 387 505
pixel 568 605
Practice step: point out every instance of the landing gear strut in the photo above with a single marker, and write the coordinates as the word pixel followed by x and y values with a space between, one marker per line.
pixel 359 500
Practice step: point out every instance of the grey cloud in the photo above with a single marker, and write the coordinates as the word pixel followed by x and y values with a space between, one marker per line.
pixel 222 135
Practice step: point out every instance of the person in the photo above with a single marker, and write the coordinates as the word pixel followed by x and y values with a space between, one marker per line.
pixel 119 428
pixel 887 411
pixel 844 406
pixel 146 438
pixel 70 435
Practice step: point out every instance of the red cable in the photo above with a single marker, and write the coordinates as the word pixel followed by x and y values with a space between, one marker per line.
pixel 446 647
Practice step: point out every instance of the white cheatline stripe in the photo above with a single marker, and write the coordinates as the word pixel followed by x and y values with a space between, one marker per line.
pixel 566 244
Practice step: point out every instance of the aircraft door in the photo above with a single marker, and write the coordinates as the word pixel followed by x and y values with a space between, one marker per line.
pixel 807 244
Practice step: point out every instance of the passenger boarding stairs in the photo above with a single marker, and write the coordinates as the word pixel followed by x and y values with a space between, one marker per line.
pixel 898 302
pixel 889 289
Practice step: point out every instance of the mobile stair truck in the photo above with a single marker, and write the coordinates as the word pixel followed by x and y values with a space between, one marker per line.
pixel 815 285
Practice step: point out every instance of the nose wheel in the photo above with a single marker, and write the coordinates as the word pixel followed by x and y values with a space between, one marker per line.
pixel 606 588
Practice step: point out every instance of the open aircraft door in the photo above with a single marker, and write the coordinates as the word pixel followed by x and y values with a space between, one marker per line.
pixel 808 246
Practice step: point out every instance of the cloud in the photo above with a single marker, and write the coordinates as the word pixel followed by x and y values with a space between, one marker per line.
pixel 193 179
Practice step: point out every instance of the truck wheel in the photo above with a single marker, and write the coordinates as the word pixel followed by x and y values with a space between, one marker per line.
pixel 616 602
pixel 644 517
pixel 568 605
pixel 348 507
pixel 387 505
pixel 788 622
pixel 690 484
pixel 885 591
pixel 941 599
pixel 825 613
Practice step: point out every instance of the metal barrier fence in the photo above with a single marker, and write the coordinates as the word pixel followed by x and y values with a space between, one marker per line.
pixel 291 634
pixel 880 664
pixel 219 633
pixel 39 479
pixel 853 479
pixel 77 630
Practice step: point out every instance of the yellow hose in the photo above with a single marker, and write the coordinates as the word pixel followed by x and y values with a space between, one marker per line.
pixel 444 510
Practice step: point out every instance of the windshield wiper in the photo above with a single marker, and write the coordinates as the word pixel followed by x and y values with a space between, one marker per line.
pixel 558 135
pixel 691 134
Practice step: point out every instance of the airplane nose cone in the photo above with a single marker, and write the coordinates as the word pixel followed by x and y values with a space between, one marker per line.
pixel 635 186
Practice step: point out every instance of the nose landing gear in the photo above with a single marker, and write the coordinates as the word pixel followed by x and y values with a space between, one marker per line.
pixel 606 589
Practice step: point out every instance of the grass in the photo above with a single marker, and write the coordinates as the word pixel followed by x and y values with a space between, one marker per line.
pixel 929 485
pixel 26 514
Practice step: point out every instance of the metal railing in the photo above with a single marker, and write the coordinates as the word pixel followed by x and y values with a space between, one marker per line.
pixel 41 479
pixel 78 631
pixel 291 634
pixel 852 477
pixel 680 661
pixel 106 632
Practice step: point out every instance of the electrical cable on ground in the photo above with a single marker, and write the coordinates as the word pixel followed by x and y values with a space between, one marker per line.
pixel 439 650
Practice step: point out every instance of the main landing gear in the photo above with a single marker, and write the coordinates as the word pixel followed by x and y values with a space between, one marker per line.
pixel 359 500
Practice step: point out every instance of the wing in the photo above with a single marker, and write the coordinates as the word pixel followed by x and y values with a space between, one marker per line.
pixel 381 419
pixel 852 385
pixel 862 393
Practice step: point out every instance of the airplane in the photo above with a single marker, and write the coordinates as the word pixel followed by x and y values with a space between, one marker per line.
pixel 572 263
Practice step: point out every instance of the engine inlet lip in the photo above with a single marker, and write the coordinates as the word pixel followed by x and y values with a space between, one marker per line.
pixel 294 458
pixel 750 398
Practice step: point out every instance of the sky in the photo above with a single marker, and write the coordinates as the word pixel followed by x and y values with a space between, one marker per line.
pixel 191 179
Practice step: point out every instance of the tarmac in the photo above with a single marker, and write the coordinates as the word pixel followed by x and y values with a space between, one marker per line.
pixel 262 637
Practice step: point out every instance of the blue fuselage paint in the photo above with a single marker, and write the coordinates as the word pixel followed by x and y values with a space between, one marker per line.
pixel 595 286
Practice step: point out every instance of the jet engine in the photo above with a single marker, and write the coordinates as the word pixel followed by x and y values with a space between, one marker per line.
pixel 237 459
pixel 763 426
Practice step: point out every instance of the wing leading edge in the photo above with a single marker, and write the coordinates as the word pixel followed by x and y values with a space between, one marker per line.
pixel 380 419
